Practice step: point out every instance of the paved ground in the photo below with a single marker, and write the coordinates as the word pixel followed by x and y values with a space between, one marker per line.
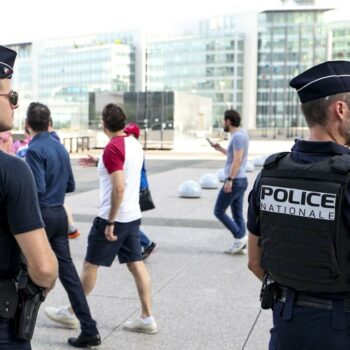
pixel 202 298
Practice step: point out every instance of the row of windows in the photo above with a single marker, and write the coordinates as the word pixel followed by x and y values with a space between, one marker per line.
pixel 290 58
pixel 200 57
pixel 293 30
pixel 201 63
pixel 292 17
pixel 220 84
pixel 295 46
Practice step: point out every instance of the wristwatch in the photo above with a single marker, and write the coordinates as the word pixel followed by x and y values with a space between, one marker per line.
pixel 229 179
pixel 109 223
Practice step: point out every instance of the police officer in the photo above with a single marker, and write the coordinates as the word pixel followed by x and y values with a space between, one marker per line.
pixel 299 220
pixel 21 225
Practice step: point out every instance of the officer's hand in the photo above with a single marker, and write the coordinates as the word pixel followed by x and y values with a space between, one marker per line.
pixel 109 233
pixel 228 186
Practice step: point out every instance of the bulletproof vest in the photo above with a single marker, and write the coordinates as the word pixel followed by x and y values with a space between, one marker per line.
pixel 305 243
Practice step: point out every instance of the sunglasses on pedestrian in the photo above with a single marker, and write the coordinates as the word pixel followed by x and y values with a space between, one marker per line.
pixel 12 96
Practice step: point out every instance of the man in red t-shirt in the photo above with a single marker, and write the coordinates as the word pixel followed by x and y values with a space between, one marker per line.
pixel 116 229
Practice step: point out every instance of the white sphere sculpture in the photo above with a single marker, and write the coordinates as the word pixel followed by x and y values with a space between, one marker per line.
pixel 221 175
pixel 259 161
pixel 190 189
pixel 209 181
pixel 250 167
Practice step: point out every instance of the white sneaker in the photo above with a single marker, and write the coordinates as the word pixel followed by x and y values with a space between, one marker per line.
pixel 238 245
pixel 62 315
pixel 138 326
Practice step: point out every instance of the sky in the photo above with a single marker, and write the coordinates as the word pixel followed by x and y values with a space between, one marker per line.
pixel 40 19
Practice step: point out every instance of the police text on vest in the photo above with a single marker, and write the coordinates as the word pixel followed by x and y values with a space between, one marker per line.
pixel 293 201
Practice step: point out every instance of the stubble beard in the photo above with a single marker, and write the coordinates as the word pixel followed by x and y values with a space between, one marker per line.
pixel 347 133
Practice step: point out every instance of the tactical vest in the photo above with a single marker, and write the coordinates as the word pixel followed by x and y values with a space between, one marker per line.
pixel 305 243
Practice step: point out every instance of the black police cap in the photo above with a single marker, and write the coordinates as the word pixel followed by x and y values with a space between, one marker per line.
pixel 7 60
pixel 325 79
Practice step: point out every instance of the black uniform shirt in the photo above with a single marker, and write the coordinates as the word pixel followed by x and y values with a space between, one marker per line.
pixel 19 210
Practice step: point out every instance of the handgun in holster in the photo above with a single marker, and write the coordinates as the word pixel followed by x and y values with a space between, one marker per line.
pixel 30 297
pixel 268 291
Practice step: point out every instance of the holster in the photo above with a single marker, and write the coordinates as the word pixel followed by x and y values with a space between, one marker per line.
pixel 268 293
pixel 30 298
pixel 8 298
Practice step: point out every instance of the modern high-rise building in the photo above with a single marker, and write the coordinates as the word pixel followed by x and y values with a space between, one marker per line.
pixel 62 72
pixel 290 41
pixel 243 61
pixel 208 60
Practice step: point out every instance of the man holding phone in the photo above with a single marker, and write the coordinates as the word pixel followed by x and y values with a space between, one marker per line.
pixel 236 183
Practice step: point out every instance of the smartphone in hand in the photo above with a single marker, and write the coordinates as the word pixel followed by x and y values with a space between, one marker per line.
pixel 211 143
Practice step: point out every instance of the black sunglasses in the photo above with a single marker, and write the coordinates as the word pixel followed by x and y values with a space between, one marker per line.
pixel 12 96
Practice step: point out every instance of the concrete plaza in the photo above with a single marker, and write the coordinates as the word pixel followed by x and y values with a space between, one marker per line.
pixel 202 298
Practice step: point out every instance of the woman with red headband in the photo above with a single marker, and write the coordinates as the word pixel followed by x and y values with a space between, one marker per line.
pixel 148 246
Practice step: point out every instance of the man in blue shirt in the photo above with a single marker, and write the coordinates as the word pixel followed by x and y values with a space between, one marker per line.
pixel 298 220
pixel 232 193
pixel 53 175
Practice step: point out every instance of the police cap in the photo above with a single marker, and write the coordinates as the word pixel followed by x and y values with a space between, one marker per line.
pixel 325 79
pixel 7 60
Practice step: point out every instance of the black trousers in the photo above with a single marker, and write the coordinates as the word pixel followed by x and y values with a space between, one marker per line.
pixel 308 329
pixel 55 219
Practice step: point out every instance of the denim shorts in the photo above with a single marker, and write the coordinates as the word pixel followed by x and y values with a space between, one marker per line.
pixel 102 252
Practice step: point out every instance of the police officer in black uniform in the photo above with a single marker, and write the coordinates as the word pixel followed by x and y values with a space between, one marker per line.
pixel 21 225
pixel 299 220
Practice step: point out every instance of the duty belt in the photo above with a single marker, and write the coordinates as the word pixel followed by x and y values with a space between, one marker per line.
pixel 304 299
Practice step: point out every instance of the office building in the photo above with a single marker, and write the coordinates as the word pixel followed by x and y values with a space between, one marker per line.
pixel 243 61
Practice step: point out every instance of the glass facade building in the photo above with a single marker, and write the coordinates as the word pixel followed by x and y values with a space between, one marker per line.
pixel 340 40
pixel 207 61
pixel 289 42
pixel 238 62
pixel 62 72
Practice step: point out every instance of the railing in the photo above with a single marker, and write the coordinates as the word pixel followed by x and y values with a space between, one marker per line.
pixel 77 143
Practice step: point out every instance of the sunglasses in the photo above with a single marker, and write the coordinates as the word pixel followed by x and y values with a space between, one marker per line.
pixel 12 96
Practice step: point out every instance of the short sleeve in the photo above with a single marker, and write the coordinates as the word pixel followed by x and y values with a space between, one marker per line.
pixel 253 219
pixel 21 198
pixel 114 155
pixel 237 142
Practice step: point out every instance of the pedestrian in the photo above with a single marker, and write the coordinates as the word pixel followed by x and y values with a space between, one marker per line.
pixel 116 229
pixel 23 148
pixel 6 142
pixel 232 193
pixel 298 220
pixel 21 226
pixel 53 175
pixel 73 231
pixel 148 246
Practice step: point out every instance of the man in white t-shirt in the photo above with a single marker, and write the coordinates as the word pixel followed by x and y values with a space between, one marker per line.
pixel 116 229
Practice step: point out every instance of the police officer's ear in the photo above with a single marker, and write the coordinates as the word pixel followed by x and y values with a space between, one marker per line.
pixel 340 109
